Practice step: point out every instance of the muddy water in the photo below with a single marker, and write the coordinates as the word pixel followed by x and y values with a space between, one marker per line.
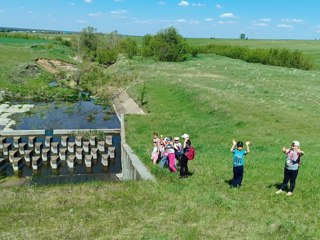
pixel 79 115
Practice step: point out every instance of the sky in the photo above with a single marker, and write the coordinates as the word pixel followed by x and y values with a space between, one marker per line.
pixel 257 19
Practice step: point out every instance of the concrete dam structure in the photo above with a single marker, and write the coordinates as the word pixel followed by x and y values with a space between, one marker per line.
pixel 71 148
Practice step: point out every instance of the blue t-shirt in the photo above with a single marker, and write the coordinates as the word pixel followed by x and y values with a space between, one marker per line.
pixel 238 157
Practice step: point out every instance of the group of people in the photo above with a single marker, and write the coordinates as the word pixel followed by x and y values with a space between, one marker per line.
pixel 291 168
pixel 170 152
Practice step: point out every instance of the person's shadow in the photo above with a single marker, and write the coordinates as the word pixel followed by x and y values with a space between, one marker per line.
pixel 229 182
pixel 276 185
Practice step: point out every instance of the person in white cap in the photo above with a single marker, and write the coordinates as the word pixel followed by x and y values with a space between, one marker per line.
pixel 184 171
pixel 291 167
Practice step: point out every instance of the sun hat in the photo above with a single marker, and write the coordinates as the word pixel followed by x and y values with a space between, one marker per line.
pixel 185 135
pixel 296 143
pixel 176 138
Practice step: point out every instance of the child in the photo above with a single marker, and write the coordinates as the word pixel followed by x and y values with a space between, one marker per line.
pixel 177 147
pixel 238 161
pixel 171 158
pixel 156 148
pixel 291 167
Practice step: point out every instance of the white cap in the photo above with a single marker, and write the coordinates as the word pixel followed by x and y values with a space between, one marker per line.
pixel 176 138
pixel 296 143
pixel 185 135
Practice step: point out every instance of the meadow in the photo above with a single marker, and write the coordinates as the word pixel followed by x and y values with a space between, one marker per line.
pixel 214 99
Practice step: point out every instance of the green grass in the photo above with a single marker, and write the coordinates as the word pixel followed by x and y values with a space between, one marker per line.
pixel 17 54
pixel 214 99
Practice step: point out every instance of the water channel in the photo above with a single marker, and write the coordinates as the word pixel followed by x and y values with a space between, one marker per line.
pixel 57 115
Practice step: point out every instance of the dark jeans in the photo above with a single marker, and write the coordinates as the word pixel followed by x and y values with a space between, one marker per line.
pixel 289 175
pixel 237 176
pixel 183 165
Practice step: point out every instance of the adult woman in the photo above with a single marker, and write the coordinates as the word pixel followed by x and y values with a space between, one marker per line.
pixel 184 171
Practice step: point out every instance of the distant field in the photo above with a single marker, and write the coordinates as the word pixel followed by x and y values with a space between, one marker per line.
pixel 310 48
pixel 23 41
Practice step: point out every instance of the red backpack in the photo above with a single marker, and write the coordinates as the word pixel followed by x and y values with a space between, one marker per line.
pixel 191 153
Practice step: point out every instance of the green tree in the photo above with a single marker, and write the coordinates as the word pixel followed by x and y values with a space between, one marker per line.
pixel 89 42
pixel 166 45
pixel 242 36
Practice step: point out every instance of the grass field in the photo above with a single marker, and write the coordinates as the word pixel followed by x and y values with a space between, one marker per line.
pixel 214 99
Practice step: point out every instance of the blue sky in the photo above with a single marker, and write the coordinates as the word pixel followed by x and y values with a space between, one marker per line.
pixel 260 19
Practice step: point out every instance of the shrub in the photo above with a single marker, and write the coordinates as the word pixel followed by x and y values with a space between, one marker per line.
pixel 166 45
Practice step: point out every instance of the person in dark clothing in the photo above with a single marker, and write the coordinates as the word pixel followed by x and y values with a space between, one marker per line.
pixel 184 171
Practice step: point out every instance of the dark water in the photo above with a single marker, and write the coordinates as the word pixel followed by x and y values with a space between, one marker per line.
pixel 80 115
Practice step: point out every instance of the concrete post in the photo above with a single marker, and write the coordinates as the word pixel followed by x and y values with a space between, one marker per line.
pixel 93 141
pixel 6 148
pixel 3 140
pixel 55 147
pixel 86 146
pixel 47 141
pixel 17 163
pixel 22 148
pixel 79 153
pixel 45 154
pixel 94 153
pixel 16 141
pixel 78 141
pixel 70 161
pixel 88 161
pixel 105 159
pixel 109 140
pixel 27 155
pixel 111 151
pixel 38 147
pixel 64 141
pixel 12 154
pixel 36 162
pixel 54 161
pixel 102 146
pixel 31 141
pixel 63 153
pixel 71 147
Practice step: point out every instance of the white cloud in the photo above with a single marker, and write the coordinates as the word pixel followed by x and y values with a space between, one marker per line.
pixel 181 20
pixel 208 19
pixel 98 14
pixel 227 22
pixel 284 26
pixel 292 20
pixel 265 19
pixel 88 1
pixel 184 4
pixel 218 6
pixel 119 12
pixel 199 4
pixel 227 15
pixel 260 24
pixel 81 21
pixel 161 3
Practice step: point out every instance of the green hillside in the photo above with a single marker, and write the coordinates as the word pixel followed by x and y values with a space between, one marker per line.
pixel 214 99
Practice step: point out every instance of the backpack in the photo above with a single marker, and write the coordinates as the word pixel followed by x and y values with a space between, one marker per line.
pixel 191 153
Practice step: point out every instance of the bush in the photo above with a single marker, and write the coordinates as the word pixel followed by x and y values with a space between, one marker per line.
pixel 274 56
pixel 166 45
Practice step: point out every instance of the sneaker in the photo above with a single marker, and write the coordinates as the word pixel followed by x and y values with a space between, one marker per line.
pixel 279 191
pixel 289 194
